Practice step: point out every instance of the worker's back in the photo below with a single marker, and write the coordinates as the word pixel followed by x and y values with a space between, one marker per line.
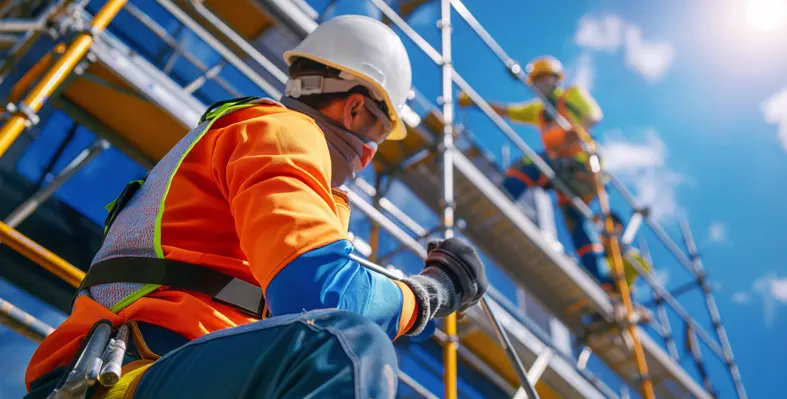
pixel 192 208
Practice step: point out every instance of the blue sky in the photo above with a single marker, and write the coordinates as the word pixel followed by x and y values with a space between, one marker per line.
pixel 695 103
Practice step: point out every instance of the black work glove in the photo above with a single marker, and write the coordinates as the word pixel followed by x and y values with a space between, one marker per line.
pixel 453 280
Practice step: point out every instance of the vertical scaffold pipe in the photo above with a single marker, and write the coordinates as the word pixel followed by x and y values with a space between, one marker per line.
pixel 56 75
pixel 449 352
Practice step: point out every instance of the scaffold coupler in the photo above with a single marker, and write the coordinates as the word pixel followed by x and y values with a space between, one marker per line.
pixel 100 359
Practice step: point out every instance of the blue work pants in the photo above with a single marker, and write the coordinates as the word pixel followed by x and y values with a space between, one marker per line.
pixel 317 354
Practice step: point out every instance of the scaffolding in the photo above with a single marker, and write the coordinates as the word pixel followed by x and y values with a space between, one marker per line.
pixel 94 74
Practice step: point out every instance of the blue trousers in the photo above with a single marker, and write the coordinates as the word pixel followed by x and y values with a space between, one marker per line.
pixel 524 174
pixel 317 354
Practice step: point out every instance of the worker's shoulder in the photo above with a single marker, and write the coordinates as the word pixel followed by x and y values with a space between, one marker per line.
pixel 274 114
pixel 269 120
pixel 577 93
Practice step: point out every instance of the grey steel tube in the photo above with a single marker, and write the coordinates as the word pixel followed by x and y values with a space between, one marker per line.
pixel 239 41
pixel 233 59
pixel 22 322
pixel 25 209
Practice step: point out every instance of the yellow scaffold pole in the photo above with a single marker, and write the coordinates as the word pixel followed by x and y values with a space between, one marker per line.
pixel 56 75
pixel 623 288
pixel 40 255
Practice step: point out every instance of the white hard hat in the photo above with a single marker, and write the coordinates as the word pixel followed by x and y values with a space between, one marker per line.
pixel 364 49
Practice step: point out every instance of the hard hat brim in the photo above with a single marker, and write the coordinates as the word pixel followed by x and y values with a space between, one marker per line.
pixel 399 131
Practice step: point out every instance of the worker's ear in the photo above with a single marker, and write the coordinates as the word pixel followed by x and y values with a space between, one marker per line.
pixel 353 110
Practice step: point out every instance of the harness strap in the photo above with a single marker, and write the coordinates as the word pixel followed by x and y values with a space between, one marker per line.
pixel 245 296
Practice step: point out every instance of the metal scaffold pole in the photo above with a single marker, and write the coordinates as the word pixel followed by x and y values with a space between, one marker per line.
pixel 22 322
pixel 25 209
pixel 661 311
pixel 713 310
pixel 446 148
pixel 27 109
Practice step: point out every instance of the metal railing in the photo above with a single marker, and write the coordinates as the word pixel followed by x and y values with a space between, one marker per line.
pixel 722 350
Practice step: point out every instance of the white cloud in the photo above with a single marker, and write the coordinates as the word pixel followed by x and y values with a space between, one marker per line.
pixel 644 167
pixel 773 291
pixel 583 72
pixel 779 289
pixel 602 34
pixel 741 297
pixel 717 232
pixel 774 110
pixel 651 59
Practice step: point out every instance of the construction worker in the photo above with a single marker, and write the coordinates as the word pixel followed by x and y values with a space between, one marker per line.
pixel 230 263
pixel 565 152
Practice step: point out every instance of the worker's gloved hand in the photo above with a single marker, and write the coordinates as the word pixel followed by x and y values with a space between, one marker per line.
pixel 452 280
pixel 464 100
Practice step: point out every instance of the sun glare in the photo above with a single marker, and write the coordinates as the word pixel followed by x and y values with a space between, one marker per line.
pixel 766 15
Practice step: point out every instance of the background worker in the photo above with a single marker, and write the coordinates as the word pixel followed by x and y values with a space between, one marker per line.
pixel 565 152
pixel 245 204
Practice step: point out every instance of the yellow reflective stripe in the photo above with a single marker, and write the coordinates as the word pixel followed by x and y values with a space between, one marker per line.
pixel 131 298
pixel 220 110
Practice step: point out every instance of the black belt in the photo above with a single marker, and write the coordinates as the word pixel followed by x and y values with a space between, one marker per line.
pixel 244 296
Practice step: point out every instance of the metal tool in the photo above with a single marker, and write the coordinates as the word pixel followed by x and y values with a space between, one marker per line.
pixel 113 359
pixel 88 366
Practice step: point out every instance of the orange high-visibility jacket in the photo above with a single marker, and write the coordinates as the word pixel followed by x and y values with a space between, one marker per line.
pixel 247 194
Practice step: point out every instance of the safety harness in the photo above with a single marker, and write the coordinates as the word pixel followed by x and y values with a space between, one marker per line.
pixel 573 169
pixel 242 295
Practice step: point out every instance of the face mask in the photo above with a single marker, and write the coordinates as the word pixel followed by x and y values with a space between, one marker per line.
pixel 349 153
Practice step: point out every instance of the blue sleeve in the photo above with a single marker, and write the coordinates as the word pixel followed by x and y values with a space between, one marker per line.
pixel 326 278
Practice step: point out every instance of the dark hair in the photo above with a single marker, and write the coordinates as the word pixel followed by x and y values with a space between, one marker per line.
pixel 304 67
